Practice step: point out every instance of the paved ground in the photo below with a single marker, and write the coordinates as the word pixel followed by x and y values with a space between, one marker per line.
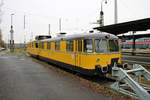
pixel 23 79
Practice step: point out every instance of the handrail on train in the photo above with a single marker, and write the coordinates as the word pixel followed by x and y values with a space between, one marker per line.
pixel 128 81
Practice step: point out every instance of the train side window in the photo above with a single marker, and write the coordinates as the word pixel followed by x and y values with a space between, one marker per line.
pixel 69 45
pixel 48 45
pixel 36 45
pixel 31 45
pixel 79 45
pixel 57 45
pixel 88 45
pixel 42 45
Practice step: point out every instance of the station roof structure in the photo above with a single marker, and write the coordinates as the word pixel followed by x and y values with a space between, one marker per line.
pixel 136 36
pixel 120 28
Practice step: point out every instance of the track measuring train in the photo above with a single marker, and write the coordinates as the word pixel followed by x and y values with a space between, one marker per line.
pixel 90 53
pixel 96 54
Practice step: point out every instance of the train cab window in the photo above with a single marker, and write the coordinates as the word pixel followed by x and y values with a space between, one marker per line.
pixel 113 46
pixel 69 45
pixel 88 45
pixel 48 45
pixel 57 45
pixel 79 45
pixel 101 46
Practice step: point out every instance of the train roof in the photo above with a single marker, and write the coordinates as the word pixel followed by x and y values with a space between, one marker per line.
pixel 84 35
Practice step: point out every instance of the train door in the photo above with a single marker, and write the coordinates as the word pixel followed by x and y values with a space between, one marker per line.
pixel 78 50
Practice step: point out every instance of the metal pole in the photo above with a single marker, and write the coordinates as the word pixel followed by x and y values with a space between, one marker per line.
pixel 11 20
pixel 133 45
pixel 60 25
pixel 24 32
pixel 101 21
pixel 8 41
pixel 102 5
pixel 115 12
pixel 11 35
pixel 31 36
pixel 24 21
pixel 49 27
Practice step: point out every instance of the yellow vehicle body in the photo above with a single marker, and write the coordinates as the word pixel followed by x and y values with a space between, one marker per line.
pixel 91 63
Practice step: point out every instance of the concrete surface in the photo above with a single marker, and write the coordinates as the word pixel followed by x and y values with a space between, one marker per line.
pixel 23 79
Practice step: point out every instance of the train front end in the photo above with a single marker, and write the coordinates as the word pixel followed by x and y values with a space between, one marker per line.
pixel 102 53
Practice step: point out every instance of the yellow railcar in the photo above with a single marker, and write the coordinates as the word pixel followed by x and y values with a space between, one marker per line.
pixel 90 54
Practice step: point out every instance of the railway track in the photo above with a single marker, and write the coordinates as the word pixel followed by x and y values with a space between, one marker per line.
pixel 138 59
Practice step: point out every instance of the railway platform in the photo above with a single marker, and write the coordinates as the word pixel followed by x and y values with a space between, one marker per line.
pixel 23 79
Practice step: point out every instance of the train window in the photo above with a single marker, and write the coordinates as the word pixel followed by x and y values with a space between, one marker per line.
pixel 80 45
pixel 69 45
pixel 42 45
pixel 57 45
pixel 113 46
pixel 49 45
pixel 88 45
pixel 101 46
pixel 36 45
pixel 32 45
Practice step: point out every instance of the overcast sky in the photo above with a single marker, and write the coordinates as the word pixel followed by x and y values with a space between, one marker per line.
pixel 77 15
